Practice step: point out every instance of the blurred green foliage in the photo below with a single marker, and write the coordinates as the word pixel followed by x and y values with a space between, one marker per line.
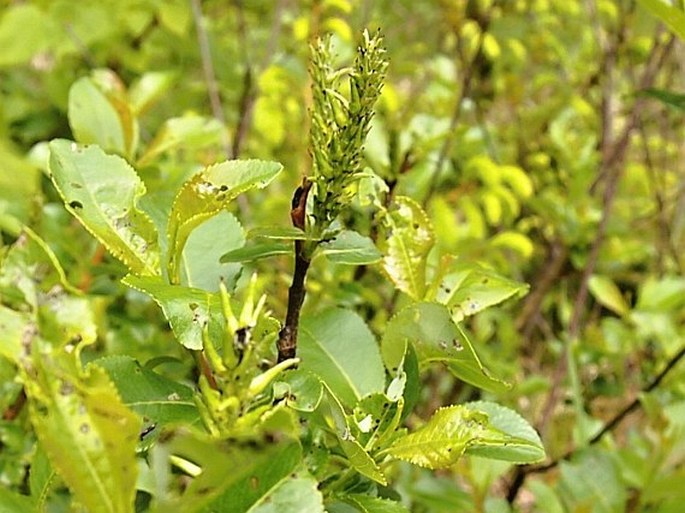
pixel 541 137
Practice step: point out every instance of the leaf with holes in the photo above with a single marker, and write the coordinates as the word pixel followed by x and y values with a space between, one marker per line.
pixel 102 191
pixel 410 239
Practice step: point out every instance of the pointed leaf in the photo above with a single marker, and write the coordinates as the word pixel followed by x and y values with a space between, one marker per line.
pixel 102 191
pixel 186 309
pixel 257 251
pixel 361 461
pixel 429 328
pixel 337 346
pixel 278 232
pixel 351 248
pixel 409 241
pixel 303 390
pixel 88 434
pixel 208 193
pixel 516 441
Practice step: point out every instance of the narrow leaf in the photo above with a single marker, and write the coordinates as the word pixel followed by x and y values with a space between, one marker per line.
pixel 671 16
pixel 278 233
pixel 361 461
pixel 608 294
pixel 257 252
pixel 369 504
pixel 102 191
pixel 351 248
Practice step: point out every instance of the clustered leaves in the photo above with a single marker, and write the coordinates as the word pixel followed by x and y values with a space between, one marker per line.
pixel 341 120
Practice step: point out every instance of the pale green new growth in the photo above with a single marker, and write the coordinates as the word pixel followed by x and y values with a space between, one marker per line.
pixel 341 121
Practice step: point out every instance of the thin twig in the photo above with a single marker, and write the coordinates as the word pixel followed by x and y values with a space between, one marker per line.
pixel 610 425
pixel 208 71
pixel 464 92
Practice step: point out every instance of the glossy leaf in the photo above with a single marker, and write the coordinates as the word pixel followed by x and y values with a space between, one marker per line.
pixel 208 193
pixel 337 346
pixel 87 432
pixel 200 262
pixel 350 248
pixel 480 428
pixel 518 442
pixel 157 399
pixel 257 251
pixel 473 289
pixel 278 233
pixel 410 239
pixel 102 191
pixel 186 309
pixel 429 328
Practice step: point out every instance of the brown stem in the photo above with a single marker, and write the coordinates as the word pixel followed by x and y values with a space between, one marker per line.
pixel 287 338
pixel 14 409
pixel 208 70
pixel 523 472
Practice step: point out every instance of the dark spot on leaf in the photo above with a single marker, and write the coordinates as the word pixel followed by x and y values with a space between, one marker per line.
pixel 485 280
pixel 75 204
pixel 254 482
pixel 193 306
pixel 224 187
pixel 66 388
pixel 84 428
pixel 76 185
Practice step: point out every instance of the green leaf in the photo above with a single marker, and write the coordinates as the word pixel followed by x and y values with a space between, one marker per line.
pixel 361 461
pixel 608 294
pixel 483 429
pixel 187 132
pixel 102 192
pixel 409 241
pixel 41 478
pixel 157 399
pixel 149 88
pixel 278 232
pixel 337 346
pixel 671 16
pixel 302 390
pixel 517 442
pixel 186 309
pixel 351 248
pixel 251 478
pixel 675 100
pixel 294 495
pixel 442 440
pixel 88 434
pixel 201 268
pixel 593 482
pixel 473 289
pixel 369 504
pixel 257 251
pixel 429 328
pixel 94 119
pixel 13 502
pixel 208 193
pixel 15 327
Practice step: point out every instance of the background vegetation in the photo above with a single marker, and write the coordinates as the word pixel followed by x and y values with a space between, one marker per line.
pixel 542 137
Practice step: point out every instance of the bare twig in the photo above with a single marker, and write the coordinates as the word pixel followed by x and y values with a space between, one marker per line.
pixel 208 71
pixel 608 427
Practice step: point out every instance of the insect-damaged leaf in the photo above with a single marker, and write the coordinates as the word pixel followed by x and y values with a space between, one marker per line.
pixel 208 193
pixel 89 435
pixel 436 338
pixel 102 191
pixel 410 239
